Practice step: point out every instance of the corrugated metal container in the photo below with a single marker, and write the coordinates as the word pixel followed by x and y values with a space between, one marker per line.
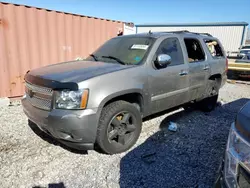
pixel 31 37
pixel 231 34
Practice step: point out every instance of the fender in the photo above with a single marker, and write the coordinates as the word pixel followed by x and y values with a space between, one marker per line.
pixel 124 92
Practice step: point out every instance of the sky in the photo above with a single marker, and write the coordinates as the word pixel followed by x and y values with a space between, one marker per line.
pixel 151 11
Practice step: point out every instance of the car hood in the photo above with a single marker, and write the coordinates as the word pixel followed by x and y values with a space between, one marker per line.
pixel 243 121
pixel 76 71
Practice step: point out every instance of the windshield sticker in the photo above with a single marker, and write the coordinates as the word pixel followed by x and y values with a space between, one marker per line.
pixel 137 58
pixel 139 47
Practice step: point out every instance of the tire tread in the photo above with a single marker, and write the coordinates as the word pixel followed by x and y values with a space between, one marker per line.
pixel 108 111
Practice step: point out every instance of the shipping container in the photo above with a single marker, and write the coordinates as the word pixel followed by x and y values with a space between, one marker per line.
pixel 32 37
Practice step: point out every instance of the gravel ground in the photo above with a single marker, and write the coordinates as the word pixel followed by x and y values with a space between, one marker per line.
pixel 188 158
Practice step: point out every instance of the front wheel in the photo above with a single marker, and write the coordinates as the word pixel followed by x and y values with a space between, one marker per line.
pixel 119 127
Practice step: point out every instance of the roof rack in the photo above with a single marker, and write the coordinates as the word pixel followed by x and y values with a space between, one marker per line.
pixel 186 31
pixel 203 34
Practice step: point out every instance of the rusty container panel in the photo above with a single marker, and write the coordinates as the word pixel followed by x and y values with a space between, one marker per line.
pixel 32 37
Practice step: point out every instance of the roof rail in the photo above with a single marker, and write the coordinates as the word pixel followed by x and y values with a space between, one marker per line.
pixel 204 34
pixel 186 31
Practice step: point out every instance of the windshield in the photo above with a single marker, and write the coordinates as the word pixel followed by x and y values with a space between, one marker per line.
pixel 123 50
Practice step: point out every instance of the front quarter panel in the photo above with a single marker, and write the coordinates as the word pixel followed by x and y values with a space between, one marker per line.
pixel 106 87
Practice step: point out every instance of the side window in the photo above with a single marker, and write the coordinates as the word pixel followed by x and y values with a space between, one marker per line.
pixel 171 47
pixel 214 48
pixel 194 50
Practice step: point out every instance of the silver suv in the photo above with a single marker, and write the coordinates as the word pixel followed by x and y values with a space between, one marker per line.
pixel 100 102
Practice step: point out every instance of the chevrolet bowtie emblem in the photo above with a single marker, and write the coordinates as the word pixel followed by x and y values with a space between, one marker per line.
pixel 30 93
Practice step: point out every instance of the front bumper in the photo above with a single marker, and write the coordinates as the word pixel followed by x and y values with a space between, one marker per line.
pixel 73 128
pixel 243 178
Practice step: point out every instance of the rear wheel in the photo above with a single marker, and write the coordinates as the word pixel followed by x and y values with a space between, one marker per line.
pixel 208 104
pixel 119 127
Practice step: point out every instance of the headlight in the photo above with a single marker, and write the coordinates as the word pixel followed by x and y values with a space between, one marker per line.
pixel 72 99
pixel 238 152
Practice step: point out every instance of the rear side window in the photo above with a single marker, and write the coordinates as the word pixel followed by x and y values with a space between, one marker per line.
pixel 214 48
pixel 171 47
pixel 194 50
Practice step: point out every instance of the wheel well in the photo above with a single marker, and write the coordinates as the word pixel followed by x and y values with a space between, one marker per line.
pixel 134 98
pixel 213 77
pixel 217 77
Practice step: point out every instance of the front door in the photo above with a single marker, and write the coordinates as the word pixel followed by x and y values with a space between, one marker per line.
pixel 169 85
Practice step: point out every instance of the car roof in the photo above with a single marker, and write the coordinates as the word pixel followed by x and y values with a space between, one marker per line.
pixel 160 34
pixel 152 35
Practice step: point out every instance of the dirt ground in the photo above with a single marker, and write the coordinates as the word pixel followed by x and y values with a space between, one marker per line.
pixel 187 158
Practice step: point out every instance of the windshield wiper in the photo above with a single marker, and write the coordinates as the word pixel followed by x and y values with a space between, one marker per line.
pixel 95 57
pixel 115 58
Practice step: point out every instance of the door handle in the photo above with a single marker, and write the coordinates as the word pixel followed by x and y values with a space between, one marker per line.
pixel 206 67
pixel 183 73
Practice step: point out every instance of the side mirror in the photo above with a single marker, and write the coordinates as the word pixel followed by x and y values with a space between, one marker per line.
pixel 163 60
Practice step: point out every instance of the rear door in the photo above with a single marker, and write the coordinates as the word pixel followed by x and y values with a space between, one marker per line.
pixel 199 69
pixel 169 85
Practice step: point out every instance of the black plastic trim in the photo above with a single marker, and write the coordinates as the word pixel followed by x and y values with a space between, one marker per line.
pixel 55 85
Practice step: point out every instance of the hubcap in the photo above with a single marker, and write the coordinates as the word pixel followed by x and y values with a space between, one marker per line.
pixel 121 128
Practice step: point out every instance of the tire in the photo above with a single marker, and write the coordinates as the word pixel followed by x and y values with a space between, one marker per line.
pixel 189 106
pixel 119 127
pixel 209 103
pixel 233 75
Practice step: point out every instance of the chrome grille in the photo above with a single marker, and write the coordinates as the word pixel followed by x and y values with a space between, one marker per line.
pixel 40 97
pixel 39 103
pixel 39 89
